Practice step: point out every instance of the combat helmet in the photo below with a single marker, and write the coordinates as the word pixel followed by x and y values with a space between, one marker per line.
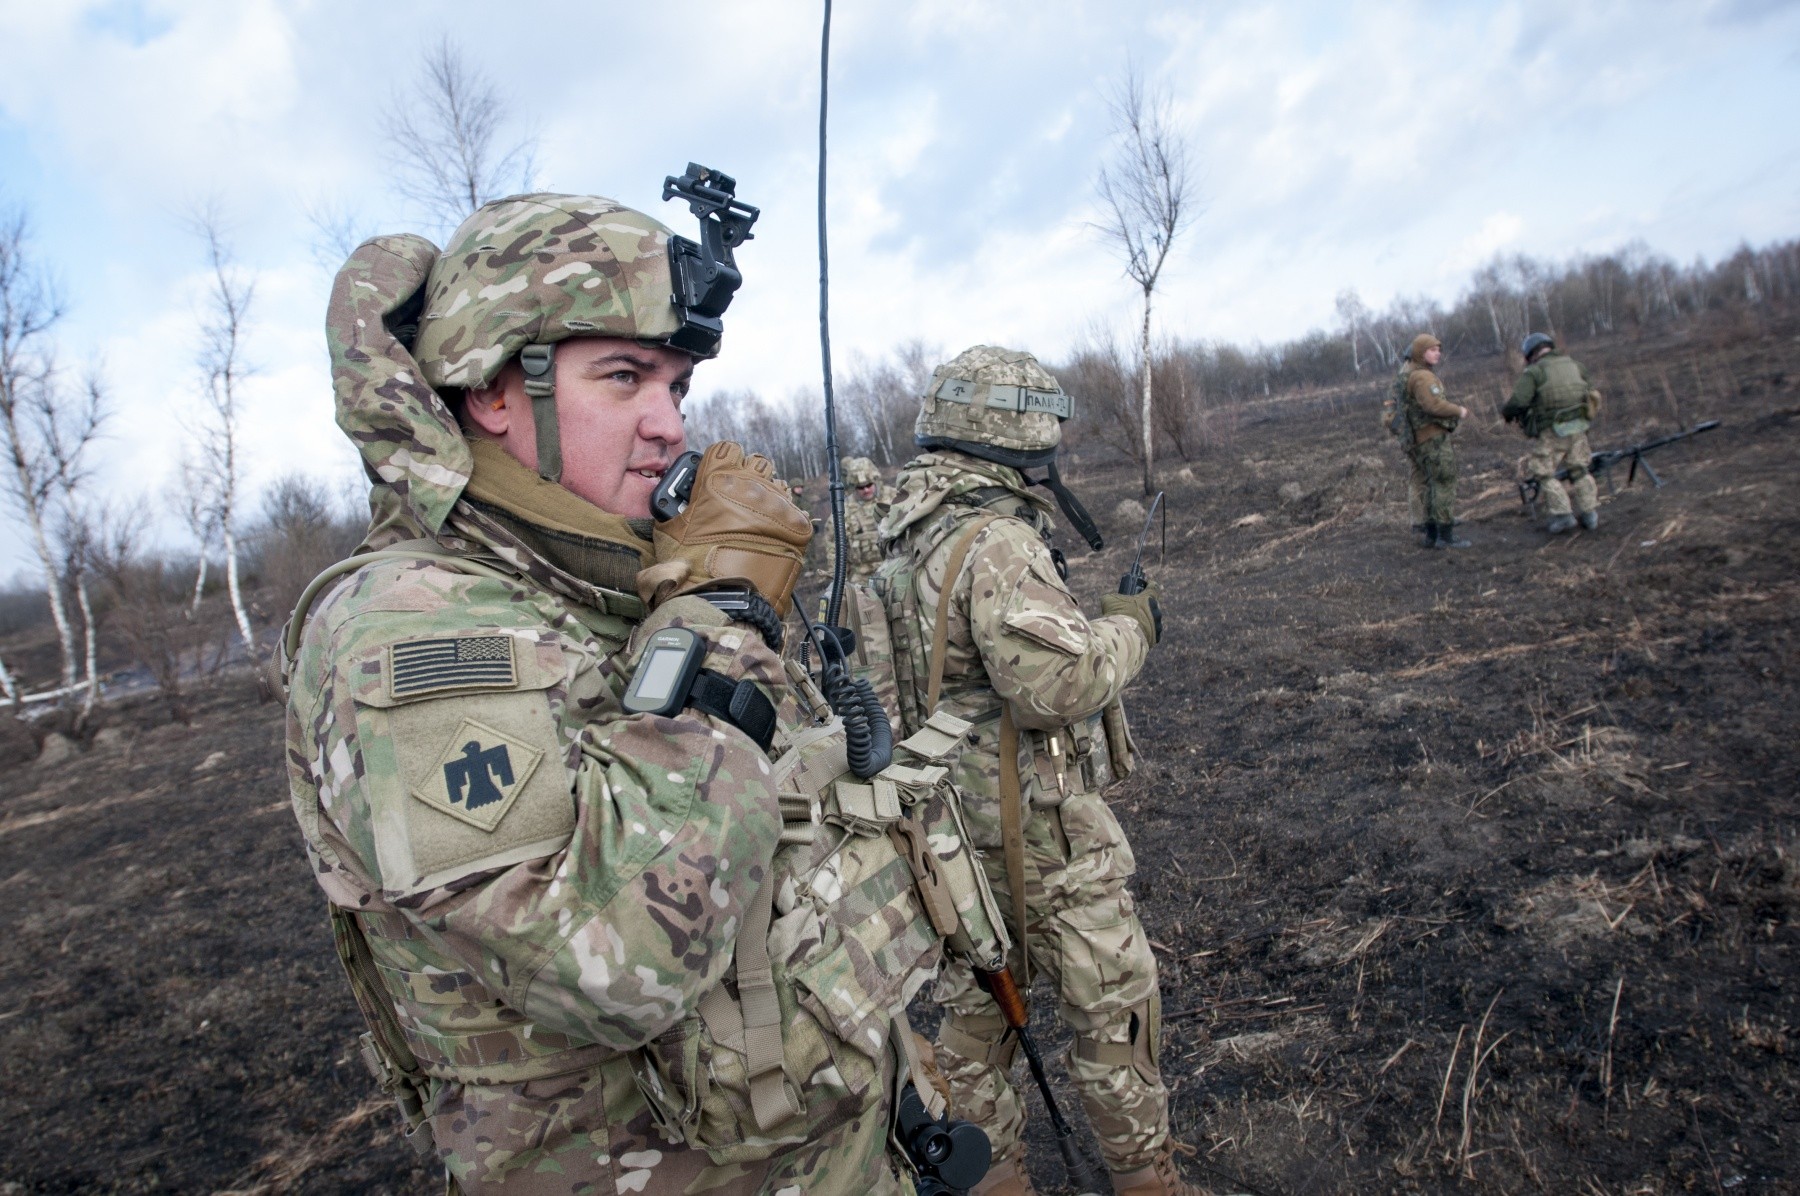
pixel 859 471
pixel 528 271
pixel 1536 341
pixel 1002 406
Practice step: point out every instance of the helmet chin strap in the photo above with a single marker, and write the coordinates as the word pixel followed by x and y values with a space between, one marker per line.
pixel 1071 506
pixel 539 364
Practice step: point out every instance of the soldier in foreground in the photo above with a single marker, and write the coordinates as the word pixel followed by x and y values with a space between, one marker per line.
pixel 1554 403
pixel 984 627
pixel 1431 419
pixel 544 854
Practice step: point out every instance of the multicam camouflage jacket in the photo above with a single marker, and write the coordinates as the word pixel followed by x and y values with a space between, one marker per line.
pixel 1015 634
pixel 549 894
pixel 862 530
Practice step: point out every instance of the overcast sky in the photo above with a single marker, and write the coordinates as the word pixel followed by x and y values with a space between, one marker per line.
pixel 1386 145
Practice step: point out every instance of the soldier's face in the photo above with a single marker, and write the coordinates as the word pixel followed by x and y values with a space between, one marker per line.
pixel 618 406
pixel 1434 355
pixel 866 493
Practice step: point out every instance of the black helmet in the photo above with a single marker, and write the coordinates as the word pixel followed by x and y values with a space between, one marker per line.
pixel 1536 341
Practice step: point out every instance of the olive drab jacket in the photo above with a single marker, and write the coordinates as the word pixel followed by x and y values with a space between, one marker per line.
pixel 1553 394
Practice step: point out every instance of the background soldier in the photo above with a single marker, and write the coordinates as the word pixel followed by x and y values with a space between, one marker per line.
pixel 536 895
pixel 1431 419
pixel 976 604
pixel 865 506
pixel 1393 422
pixel 1554 403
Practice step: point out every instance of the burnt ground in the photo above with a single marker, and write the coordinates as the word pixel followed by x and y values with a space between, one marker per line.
pixel 1468 871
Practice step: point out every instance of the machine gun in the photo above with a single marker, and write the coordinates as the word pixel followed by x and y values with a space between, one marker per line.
pixel 1601 464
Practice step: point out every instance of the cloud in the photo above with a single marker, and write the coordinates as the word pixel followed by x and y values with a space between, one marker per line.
pixel 1387 145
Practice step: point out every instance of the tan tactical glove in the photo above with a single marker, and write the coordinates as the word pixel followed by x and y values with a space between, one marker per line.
pixel 740 525
pixel 1141 606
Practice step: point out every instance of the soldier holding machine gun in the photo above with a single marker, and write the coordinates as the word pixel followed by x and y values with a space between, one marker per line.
pixel 1554 404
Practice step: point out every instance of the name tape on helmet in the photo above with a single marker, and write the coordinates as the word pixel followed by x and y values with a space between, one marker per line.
pixel 1022 399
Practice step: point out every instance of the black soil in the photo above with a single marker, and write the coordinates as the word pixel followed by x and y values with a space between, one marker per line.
pixel 1472 870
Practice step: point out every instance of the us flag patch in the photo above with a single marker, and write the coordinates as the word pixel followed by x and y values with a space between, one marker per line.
pixel 454 662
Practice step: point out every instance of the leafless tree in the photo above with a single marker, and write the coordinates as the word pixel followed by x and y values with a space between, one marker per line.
pixel 1147 189
pixel 1355 315
pixel 223 325
pixel 196 502
pixel 444 137
pixel 44 430
pixel 337 230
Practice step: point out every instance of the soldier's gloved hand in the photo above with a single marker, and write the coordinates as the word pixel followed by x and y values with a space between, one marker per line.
pixel 1141 606
pixel 739 525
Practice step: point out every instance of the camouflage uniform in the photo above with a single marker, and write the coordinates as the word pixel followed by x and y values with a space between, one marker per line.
pixel 1551 400
pixel 1431 419
pixel 548 890
pixel 1017 638
pixel 862 519
pixel 1393 421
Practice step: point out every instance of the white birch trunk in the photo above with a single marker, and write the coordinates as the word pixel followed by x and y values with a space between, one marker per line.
pixel 1149 427
pixel 231 584
pixel 6 683
pixel 65 633
pixel 199 584
pixel 87 630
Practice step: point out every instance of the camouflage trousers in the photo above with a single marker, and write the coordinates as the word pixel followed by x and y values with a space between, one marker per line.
pixel 590 1134
pixel 1415 491
pixel 1435 461
pixel 1550 453
pixel 1086 941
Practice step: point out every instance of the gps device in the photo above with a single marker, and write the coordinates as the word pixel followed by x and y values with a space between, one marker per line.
pixel 665 674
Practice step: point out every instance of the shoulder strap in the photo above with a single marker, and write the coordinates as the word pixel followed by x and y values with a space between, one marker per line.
pixel 1012 836
pixel 940 631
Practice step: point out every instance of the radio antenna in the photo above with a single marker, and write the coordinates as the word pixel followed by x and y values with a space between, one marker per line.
pixel 839 541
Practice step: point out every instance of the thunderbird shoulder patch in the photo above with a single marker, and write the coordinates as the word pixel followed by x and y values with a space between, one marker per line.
pixel 420 667
pixel 478 775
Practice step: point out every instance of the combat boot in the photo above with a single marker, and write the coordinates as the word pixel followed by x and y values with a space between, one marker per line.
pixel 1559 524
pixel 1446 537
pixel 1589 519
pixel 1005 1178
pixel 1428 535
pixel 1158 1179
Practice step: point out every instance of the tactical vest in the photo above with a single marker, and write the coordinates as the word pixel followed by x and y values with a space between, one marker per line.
pixel 862 521
pixel 870 880
pixel 1561 397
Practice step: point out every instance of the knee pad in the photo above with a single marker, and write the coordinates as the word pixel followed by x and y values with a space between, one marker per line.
pixel 981 1038
pixel 1143 1050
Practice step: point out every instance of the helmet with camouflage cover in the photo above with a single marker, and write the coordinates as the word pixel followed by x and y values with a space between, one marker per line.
pixel 528 271
pixel 996 404
pixel 859 471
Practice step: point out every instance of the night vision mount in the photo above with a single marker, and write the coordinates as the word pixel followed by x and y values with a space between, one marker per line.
pixel 705 274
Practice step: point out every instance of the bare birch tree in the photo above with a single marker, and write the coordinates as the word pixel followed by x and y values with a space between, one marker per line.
pixel 444 138
pixel 1147 189
pixel 198 506
pixel 44 433
pixel 223 325
pixel 1355 315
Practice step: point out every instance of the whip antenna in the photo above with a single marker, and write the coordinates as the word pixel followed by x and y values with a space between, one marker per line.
pixel 839 540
